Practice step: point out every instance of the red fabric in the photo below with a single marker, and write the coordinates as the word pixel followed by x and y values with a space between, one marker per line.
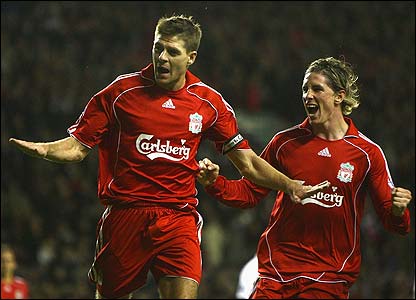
pixel 320 238
pixel 18 289
pixel 302 288
pixel 148 137
pixel 132 241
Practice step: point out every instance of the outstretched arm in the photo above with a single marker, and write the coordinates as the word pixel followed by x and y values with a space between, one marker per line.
pixel 66 150
pixel 243 193
pixel 259 171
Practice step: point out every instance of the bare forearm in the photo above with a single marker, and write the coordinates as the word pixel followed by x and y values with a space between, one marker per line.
pixel 265 175
pixel 257 170
pixel 66 150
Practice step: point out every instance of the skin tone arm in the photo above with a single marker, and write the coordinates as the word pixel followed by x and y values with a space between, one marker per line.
pixel 257 170
pixel 66 150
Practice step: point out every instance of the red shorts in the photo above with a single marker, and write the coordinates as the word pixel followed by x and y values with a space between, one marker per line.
pixel 132 241
pixel 302 288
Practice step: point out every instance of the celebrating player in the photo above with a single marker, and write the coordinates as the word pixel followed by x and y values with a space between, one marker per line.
pixel 12 286
pixel 148 126
pixel 312 250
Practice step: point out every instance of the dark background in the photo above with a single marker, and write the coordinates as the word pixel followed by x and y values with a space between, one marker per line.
pixel 56 55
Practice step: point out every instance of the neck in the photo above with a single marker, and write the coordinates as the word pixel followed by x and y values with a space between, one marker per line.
pixel 179 84
pixel 7 278
pixel 171 85
pixel 331 130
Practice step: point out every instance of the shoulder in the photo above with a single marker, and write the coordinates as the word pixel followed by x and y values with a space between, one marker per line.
pixel 366 144
pixel 359 140
pixel 126 82
pixel 129 77
pixel 131 80
pixel 19 280
pixel 203 92
pixel 372 152
pixel 291 134
pixel 207 93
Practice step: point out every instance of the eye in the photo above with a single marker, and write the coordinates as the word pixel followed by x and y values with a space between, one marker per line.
pixel 174 51
pixel 157 48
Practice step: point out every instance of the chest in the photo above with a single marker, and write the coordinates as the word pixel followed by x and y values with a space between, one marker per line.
pixel 339 162
pixel 13 291
pixel 166 116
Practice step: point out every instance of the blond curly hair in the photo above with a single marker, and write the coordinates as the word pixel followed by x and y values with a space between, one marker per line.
pixel 340 76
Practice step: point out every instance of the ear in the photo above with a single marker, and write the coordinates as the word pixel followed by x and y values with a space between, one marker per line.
pixel 339 97
pixel 191 58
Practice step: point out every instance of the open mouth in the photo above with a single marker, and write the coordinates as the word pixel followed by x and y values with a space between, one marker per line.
pixel 162 70
pixel 312 108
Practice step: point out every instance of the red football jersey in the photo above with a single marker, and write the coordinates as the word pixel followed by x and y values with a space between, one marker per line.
pixel 148 137
pixel 320 238
pixel 18 289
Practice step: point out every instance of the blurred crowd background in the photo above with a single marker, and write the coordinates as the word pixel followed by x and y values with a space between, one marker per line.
pixel 56 55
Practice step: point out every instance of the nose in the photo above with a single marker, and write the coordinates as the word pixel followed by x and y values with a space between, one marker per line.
pixel 307 95
pixel 162 56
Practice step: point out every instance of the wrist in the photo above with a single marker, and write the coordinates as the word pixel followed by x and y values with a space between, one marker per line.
pixel 210 182
pixel 43 150
pixel 397 212
pixel 216 183
pixel 290 186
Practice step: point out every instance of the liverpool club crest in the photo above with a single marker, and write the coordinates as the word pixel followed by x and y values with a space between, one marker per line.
pixel 345 172
pixel 195 123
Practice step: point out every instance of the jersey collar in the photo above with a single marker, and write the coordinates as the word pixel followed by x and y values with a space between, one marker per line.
pixel 351 132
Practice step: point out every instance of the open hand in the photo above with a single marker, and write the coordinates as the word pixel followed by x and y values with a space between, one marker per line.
pixel 30 148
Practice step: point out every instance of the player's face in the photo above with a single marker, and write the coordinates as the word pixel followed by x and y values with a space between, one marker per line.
pixel 321 103
pixel 170 61
pixel 8 262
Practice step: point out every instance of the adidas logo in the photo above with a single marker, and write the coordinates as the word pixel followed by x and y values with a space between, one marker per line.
pixel 169 104
pixel 324 152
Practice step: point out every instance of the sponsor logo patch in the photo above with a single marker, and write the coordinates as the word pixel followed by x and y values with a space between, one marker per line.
pixel 161 149
pixel 326 200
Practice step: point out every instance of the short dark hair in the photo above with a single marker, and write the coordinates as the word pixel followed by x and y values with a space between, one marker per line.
pixel 183 26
